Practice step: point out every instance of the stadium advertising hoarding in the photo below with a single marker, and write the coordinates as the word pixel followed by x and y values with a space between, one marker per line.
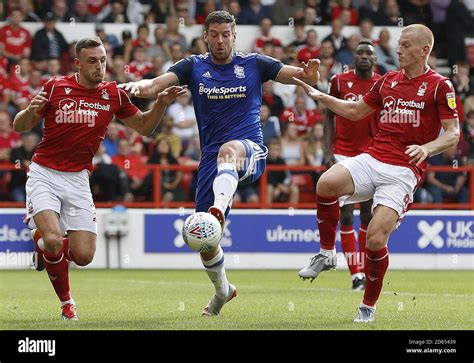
pixel 14 234
pixel 283 232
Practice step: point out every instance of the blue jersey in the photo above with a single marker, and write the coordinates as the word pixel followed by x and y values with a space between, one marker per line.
pixel 227 97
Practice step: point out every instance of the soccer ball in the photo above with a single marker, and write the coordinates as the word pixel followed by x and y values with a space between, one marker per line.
pixel 202 232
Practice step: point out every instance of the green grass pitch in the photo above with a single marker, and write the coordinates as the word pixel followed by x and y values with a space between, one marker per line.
pixel 267 299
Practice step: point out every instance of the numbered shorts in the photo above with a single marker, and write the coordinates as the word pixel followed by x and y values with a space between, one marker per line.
pixel 68 194
pixel 253 167
pixel 390 185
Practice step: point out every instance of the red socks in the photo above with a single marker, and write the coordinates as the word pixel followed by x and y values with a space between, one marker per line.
pixel 362 248
pixel 376 265
pixel 328 214
pixel 348 243
pixel 58 272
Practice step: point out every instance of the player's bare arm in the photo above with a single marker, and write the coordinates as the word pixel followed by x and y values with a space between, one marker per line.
pixel 450 138
pixel 352 110
pixel 145 122
pixel 28 118
pixel 329 129
pixel 148 88
pixel 309 73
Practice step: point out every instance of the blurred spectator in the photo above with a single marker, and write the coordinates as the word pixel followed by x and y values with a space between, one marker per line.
pixel 117 13
pixel 15 41
pixel 20 75
pixel 9 139
pixel 371 10
pixel 366 28
pixel 416 12
pixel 270 124
pixel 313 13
pixel 459 23
pixel 447 186
pixel 300 36
pixel 171 188
pixel 161 9
pixel 98 7
pixel 160 46
pixel 176 55
pixel 208 7
pixel 386 56
pixel 80 13
pixel 346 55
pixel 265 29
pixel 106 38
pixel 184 118
pixel 292 145
pixel 184 14
pixel 142 37
pixel 311 50
pixel 438 25
pixel 468 134
pixel 60 10
pixel 5 93
pixel 273 101
pixel 279 188
pixel 139 66
pixel 27 8
pixel 338 40
pixel 313 146
pixel 48 43
pixel 131 164
pixel 246 193
pixel 345 8
pixel 461 82
pixel 282 10
pixel 125 50
pixel 234 9
pixel 27 93
pixel 111 140
pixel 303 118
pixel 53 69
pixel 157 70
pixel 327 58
pixel 254 12
pixel 198 46
pixel 21 157
pixel 119 74
pixel 391 13
pixel 166 132
pixel 173 35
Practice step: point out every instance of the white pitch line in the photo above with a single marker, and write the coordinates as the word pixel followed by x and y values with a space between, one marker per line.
pixel 201 284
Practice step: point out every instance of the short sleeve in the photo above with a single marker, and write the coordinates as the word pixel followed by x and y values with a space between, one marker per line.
pixel 127 108
pixel 334 86
pixel 445 99
pixel 268 67
pixel 373 98
pixel 182 69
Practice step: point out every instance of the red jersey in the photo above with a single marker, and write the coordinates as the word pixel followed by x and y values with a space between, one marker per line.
pixel 352 138
pixel 412 110
pixel 76 119
pixel 15 40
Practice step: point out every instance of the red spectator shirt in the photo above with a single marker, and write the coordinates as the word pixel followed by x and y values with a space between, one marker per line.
pixel 131 164
pixel 140 69
pixel 76 119
pixel 94 7
pixel 261 40
pixel 4 87
pixel 15 41
pixel 307 53
pixel 10 140
pixel 17 82
pixel 352 138
pixel 304 121
pixel 412 110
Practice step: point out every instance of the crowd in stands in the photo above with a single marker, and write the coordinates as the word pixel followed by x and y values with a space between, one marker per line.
pixel 291 122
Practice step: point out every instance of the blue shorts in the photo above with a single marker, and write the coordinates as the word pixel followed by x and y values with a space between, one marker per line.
pixel 254 166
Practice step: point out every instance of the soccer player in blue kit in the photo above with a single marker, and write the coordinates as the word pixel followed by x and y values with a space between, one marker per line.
pixel 226 88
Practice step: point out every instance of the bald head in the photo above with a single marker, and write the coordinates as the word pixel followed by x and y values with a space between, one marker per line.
pixel 421 35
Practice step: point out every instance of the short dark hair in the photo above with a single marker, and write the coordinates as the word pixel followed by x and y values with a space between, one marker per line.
pixel 219 17
pixel 86 43
pixel 366 42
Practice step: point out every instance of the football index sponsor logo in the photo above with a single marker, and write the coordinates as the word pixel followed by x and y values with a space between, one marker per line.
pixel 178 242
pixel 401 111
pixel 457 234
pixel 70 111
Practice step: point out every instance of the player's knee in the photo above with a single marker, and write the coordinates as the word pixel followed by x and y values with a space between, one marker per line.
pixel 84 257
pixel 376 240
pixel 227 154
pixel 327 186
pixel 53 242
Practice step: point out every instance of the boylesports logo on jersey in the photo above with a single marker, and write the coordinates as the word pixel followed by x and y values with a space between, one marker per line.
pixel 222 93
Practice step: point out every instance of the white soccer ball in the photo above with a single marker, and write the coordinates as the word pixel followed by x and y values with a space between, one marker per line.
pixel 202 232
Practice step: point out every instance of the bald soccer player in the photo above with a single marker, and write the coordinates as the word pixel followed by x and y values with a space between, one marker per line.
pixel 416 103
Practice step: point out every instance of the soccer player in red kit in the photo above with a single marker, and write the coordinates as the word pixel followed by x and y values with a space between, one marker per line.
pixel 343 139
pixel 416 103
pixel 77 111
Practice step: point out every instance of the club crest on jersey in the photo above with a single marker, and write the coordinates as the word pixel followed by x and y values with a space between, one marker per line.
pixel 105 95
pixel 451 98
pixel 239 71
pixel 349 84
pixel 68 90
pixel 422 89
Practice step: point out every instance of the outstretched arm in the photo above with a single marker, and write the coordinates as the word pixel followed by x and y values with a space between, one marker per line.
pixel 146 122
pixel 148 88
pixel 348 109
pixel 308 73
